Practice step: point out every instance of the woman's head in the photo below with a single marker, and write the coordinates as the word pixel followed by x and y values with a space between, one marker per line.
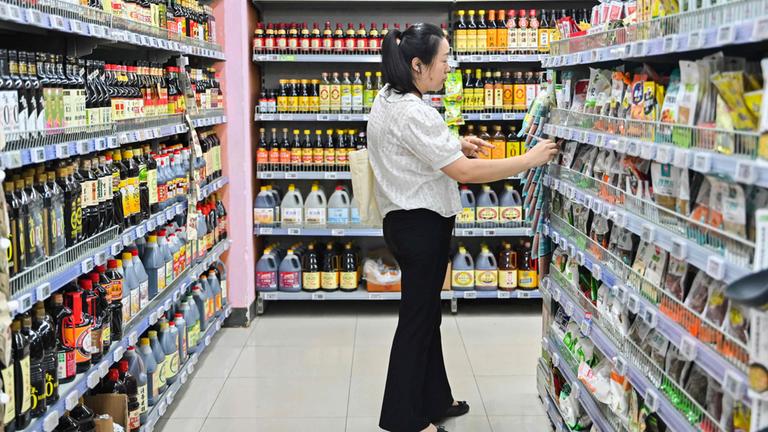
pixel 416 59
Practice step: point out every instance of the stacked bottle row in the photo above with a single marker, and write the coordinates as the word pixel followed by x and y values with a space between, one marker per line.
pixel 306 152
pixel 55 206
pixel 309 268
pixel 298 38
pixel 334 92
pixel 207 88
pixel 187 18
pixel 493 90
pixel 520 32
pixel 504 146
pixel 317 211
pixel 73 330
pixel 43 92
pixel 487 209
pixel 509 269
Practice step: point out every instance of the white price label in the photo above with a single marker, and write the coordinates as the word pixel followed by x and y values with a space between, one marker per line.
pixel 470 294
pixel 688 348
pixel 650 317
pixel 338 232
pixel 14 13
pixel 489 233
pixel 726 34
pixel 70 402
pixel 153 318
pixel 331 175
pixel 555 237
pixel 43 291
pixel 82 147
pixel 345 117
pixel 716 267
pixel 151 225
pixel 265 231
pixel 633 304
pixel 621 145
pixel 585 327
pixel 141 231
pixel 679 248
pixel 118 354
pixel 647 150
pixel 681 158
pixel 503 294
pixel 669 44
pixel 294 231
pixel 648 233
pixel 580 258
pixel 116 248
pixel 745 172
pixel 556 295
pixel 509 116
pixel 270 296
pixel 734 385
pixel 375 296
pixel 597 206
pixel 597 271
pixel 318 296
pixel 633 148
pixel 621 366
pixel 563 243
pixel 93 379
pixel 86 265
pixel 570 308
pixel 100 143
pixel 702 162
pixel 494 58
pixel 760 30
pixel 651 400
pixel 37 155
pixel 592 138
pixel 133 338
pixel 524 294
pixel 62 151
pixel 695 40
pixel 571 250
pixel 100 258
pixel 664 154
pixel 620 218
pixel 555 360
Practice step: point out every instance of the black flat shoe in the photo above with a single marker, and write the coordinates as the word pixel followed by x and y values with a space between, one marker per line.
pixel 458 410
pixel 441 429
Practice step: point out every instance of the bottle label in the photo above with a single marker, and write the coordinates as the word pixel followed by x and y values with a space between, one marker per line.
pixel 263 216
pixel 10 391
pixel 530 94
pixel 126 310
pixel 265 280
pixel 311 281
pixel 349 280
pixel 154 383
pixel 293 216
pixel 142 396
pixel 135 302
pixel 463 279
pixel 289 280
pixel 543 40
pixel 143 294
pixel 527 279
pixel 169 276
pixel 338 216
pixel 172 364
pixel 160 278
pixel 134 422
pixel 65 364
pixel 466 216
pixel 219 303
pixel 368 98
pixel 519 96
pixel 316 215
pixel 507 279
pixel 80 339
pixel 194 335
pixel 488 97
pixel 152 186
pixel 116 290
pixel 511 214
pixel 461 40
pixel 487 214
pixel 97 341
pixel 106 337
pixel 51 383
pixel 357 96
pixel 162 375
pixel 486 278
pixel 210 311
pixel 37 387
pixel 354 216
pixel 329 280
pixel 26 383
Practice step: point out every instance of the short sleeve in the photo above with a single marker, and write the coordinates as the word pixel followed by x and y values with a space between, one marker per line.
pixel 427 136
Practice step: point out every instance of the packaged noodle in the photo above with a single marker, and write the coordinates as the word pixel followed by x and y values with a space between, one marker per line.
pixel 453 99
pixel 664 177
pixel 730 87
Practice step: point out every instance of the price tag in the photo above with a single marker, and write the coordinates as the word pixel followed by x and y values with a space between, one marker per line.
pixel 569 309
pixel 664 154
pixel 651 400
pixel 345 117
pixel 669 44
pixel 638 49
pixel 524 294
pixel 580 258
pixel 633 148
pixel 86 265
pixel 647 150
pixel 494 58
pixel 43 291
pixel 694 40
pixel 571 250
pixel 14 13
pixel 650 317
pixel 103 369
pixel 649 233
pixel 681 158
pixel 112 142
pixel 597 206
pixel 265 231
pixel 83 147
pixel 555 237
pixel 503 294
pixel 338 232
pixel 470 294
pixel 633 304
pixel 93 379
pixel 587 201
pixel 161 219
pixel 267 175
pixel 100 258
pixel 621 145
pixel 133 338
pixel 563 243
pixel 292 175
pixel 467 233
pixel 151 225
pixel 489 233
pixel 621 366
pixel 70 402
pixel 745 172
pixel 760 30
pixel 726 34
pixel 375 296
pixel 486 116
pixel 591 138
pixel 270 296
pixel 627 50
pixel 318 296
pixel 294 231
pixel 323 117
pixel 734 385
pixel 597 271
pixel 688 348
pixel 141 231
pixel 620 218
pixel 116 248
pixel 555 360
pixel 556 295
pixel 266 117
pixel 37 154
pixel 585 327
pixel 170 213
pixel 62 151
pixel 35 18
pixel 331 175
pixel 100 143
pixel 716 267
pixel 509 116
pixel 118 354
pixel 679 248
pixel 161 407
pixel 702 162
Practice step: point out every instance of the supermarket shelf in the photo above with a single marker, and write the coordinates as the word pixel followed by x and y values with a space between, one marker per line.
pixel 324 117
pixel 495 116
pixel 185 371
pixel 664 408
pixel 497 294
pixel 66 143
pixel 38 283
pixel 71 392
pixel 212 187
pixel 736 167
pixel 377 232
pixel 678 246
pixel 702 38
pixel 500 58
pixel 725 373
pixel 304 175
pixel 317 58
pixel 363 294
pixel 589 404
pixel 85 21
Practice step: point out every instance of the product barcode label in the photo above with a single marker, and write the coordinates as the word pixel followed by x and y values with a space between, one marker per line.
pixel 37 154
pixel 294 231
pixel 318 296
pixel 503 294
pixel 375 296
pixel 745 172
pixel 726 34
pixel 716 267
pixel 86 265
pixel 43 291
pixel 470 294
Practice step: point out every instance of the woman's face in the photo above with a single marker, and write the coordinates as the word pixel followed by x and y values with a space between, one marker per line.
pixel 432 77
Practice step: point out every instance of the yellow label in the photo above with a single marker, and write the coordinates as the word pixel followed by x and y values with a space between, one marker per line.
pixel 349 280
pixel 527 279
pixel 488 98
pixel 26 401
pixel 486 278
pixel 8 389
pixel 498 97
pixel 311 281
pixel 544 40
pixel 519 96
pixel 467 215
pixel 463 278
pixel 507 279
pixel 468 96
pixel 161 373
pixel 481 39
pixel 461 40
pixel 511 214
pixel 325 97
pixel 513 148
pixel 471 40
pixel 487 214
pixel 329 280
pixel 172 364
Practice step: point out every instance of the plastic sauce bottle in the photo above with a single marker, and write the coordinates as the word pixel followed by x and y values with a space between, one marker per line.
pixel 157 351
pixel 527 276
pixel 181 327
pixel 338 208
pixel 486 271
pixel 266 272
pixel 290 273
pixel 510 206
pixel 468 204
pixel 153 261
pixel 130 288
pixel 463 271
pixel 487 206
pixel 152 370
pixel 192 318
pixel 316 208
pixel 162 243
pixel 77 329
pixel 354 213
pixel 264 208
pixel 292 207
pixel 507 268
pixel 213 282
pixel 137 368
pixel 169 340
pixel 198 297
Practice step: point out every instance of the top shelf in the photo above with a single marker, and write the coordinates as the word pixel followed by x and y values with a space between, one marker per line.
pixel 376 58
pixel 90 22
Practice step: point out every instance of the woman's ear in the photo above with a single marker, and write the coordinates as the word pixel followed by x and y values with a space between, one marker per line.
pixel 416 64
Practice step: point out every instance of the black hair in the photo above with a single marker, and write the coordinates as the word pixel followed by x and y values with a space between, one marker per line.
pixel 421 41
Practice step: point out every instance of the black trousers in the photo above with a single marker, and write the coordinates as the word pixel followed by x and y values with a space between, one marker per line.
pixel 417 388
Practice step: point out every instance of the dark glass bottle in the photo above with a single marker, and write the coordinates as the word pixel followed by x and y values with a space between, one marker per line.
pixel 45 327
pixel 21 375
pixel 66 424
pixel 65 355
pixel 84 417
pixel 15 234
pixel 77 327
pixel 36 371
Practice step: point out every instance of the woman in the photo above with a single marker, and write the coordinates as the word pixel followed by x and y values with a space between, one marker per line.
pixel 417 164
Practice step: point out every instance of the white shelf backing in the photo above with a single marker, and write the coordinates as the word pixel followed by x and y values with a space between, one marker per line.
pixel 377 232
pixel 728 375
pixel 718 26
pixel 718 266
pixel 742 166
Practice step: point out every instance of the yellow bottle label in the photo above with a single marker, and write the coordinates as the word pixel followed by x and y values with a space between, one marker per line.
pixel 488 94
pixel 466 216
pixel 468 96
pixel 461 40
pixel 482 44
pixel 472 40
pixel 9 390
pixel 325 97
pixel 463 279
pixel 543 40
pixel 527 279
pixel 26 401
pixel 518 96
pixel 311 281
pixel 498 97
pixel 335 97
pixel 314 104
pixel 507 279
pixel 329 280
pixel 512 149
pixel 348 280
pixel 486 278
pixel 282 103
pixel 479 100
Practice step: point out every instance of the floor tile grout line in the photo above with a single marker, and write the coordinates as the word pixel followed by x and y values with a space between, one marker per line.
pixel 474 377
pixel 351 369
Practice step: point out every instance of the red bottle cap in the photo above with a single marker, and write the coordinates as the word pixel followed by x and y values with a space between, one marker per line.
pixel 135 252
pixel 178 315
pixel 114 375
pixel 100 268
pixel 112 264
pixel 123 365
pixel 86 284
pixel 94 277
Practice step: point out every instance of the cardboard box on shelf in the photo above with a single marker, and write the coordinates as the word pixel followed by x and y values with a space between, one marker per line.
pixel 116 405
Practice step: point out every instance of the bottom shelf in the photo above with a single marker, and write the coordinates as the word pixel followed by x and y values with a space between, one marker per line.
pixel 166 399
pixel 363 294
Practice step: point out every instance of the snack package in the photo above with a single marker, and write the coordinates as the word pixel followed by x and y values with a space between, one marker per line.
pixel 579 96
pixel 600 231
pixel 674 364
pixel 453 99
pixel 735 210
pixel 619 82
pixel 758 198
pixel 708 66
pixel 597 380
pixel 730 87
pixel 674 281
pixel 762 148
pixel 637 108
pixel 669 108
pixel 571 273
pixel 696 384
pixel 717 303
pixel 585 351
pixel 688 93
pixel 581 218
pixel 650 89
pixel 622 245
pixel 683 194
pixel 737 322
pixel 665 177
pixel 714 399
pixel 698 294
pixel 568 153
pixel 598 91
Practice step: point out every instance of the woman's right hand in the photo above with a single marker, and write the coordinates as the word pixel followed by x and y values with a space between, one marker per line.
pixel 544 151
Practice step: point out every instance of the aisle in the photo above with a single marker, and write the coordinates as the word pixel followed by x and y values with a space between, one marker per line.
pixel 304 367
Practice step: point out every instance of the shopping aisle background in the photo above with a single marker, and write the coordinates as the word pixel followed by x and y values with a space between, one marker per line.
pixel 306 367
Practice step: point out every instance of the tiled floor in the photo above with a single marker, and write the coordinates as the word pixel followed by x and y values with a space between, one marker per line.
pixel 321 367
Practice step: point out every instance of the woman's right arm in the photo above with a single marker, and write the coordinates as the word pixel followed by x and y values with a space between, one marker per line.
pixel 468 171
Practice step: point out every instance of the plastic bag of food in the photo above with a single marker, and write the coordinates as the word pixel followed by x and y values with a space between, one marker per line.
pixel 598 90
pixel 696 384
pixel 669 107
pixel 674 364
pixel 597 380
pixel 581 217
pixel 698 294
pixel 569 153
pixel 453 99
pixel 665 178
pixel 717 305
pixel 600 231
pixel 688 94
pixel 714 405
pixel 683 193
pixel 674 281
pixel 735 210
pixel 585 351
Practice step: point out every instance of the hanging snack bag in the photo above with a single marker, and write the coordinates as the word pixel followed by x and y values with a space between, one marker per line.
pixel 636 110
pixel 664 177
pixel 735 210
pixel 598 91
pixel 688 94
pixel 669 108
pixel 683 195
pixel 717 304
pixel 674 281
pixel 569 153
pixel 696 384
pixel 737 322
pixel 579 96
pixel 698 294
pixel 730 87
pixel 714 399
pixel 453 99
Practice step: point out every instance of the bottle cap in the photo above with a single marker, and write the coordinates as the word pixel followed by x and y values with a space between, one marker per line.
pixel 123 365
pixel 86 284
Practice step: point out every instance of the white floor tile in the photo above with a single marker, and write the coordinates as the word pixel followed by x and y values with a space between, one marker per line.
pixel 504 359
pixel 363 424
pixel 500 330
pixel 304 331
pixel 380 330
pixel 473 423
pixel 276 361
pixel 283 397
pixel 520 424
pixel 217 361
pixel 180 425
pixel 510 395
pixel 233 336
pixel 274 425
pixel 196 398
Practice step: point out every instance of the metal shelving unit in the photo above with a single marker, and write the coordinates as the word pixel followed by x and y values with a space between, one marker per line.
pixel 377 232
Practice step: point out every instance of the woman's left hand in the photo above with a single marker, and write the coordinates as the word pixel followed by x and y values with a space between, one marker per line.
pixel 471 146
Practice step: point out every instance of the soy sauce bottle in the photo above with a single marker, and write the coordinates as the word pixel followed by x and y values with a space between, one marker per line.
pixel 21 369
pixel 84 417
pixel 45 327
pixel 36 371
pixel 66 367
